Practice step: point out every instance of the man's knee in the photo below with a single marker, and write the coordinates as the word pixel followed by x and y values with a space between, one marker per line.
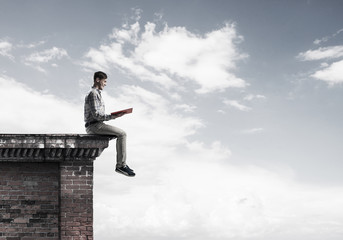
pixel 122 134
pixel 119 133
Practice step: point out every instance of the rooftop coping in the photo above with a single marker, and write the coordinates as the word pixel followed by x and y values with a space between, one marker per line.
pixel 51 147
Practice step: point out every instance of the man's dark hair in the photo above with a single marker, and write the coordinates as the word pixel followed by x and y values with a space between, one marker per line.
pixel 100 75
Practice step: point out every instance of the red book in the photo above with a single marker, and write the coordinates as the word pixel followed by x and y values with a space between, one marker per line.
pixel 125 111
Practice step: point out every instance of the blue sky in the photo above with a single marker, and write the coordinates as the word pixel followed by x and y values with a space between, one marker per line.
pixel 237 109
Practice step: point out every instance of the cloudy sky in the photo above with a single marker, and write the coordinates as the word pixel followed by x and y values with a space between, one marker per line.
pixel 237 125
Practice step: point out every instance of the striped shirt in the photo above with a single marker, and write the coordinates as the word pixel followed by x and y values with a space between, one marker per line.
pixel 94 109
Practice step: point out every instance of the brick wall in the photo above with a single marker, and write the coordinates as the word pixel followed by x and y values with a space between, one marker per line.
pixel 29 205
pixel 77 200
pixel 46 186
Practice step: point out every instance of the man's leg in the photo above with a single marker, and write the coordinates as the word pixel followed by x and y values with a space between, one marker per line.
pixel 104 129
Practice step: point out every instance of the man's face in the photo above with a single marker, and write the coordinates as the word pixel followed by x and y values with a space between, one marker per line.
pixel 101 83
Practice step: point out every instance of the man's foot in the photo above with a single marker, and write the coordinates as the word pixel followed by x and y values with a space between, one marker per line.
pixel 129 168
pixel 125 171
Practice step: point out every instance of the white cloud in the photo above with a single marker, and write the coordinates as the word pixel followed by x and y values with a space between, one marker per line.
pixel 24 110
pixel 36 59
pixel 30 45
pixel 183 189
pixel 324 64
pixel 155 121
pixel 193 196
pixel 251 97
pixel 322 53
pixel 185 107
pixel 332 74
pixel 137 12
pixel 237 105
pixel 112 55
pixel 206 60
pixel 47 55
pixel 173 56
pixel 5 49
pixel 253 131
pixel 129 35
pixel 327 38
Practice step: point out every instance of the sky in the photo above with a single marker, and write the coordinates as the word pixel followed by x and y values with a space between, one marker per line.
pixel 236 131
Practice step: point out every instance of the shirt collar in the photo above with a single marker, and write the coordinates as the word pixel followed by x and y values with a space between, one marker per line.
pixel 99 91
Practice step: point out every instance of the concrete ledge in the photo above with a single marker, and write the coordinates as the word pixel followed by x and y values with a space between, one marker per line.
pixel 51 147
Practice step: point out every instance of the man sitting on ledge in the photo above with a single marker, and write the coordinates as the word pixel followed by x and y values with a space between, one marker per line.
pixel 95 116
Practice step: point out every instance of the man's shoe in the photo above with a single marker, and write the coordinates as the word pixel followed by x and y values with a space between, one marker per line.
pixel 129 168
pixel 125 171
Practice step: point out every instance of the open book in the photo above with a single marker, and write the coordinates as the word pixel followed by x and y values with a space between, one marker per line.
pixel 125 111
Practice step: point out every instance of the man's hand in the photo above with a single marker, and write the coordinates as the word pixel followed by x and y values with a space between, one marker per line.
pixel 114 116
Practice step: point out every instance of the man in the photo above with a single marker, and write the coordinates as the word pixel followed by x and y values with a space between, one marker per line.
pixel 94 112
